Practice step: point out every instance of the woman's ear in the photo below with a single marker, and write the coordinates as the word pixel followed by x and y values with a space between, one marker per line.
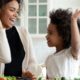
pixel 0 13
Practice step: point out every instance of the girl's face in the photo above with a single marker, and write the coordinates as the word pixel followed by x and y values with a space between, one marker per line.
pixel 9 13
pixel 53 38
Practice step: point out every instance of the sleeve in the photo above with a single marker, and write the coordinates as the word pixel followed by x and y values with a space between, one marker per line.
pixel 51 67
pixel 5 56
pixel 31 61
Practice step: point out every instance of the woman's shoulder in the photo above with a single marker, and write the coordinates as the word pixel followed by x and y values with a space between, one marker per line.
pixel 23 30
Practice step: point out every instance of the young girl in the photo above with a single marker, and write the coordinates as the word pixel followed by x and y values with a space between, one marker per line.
pixel 63 33
pixel 15 43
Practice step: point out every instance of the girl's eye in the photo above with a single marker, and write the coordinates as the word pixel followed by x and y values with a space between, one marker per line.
pixel 50 33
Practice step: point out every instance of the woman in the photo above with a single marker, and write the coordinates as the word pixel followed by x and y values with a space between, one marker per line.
pixel 15 42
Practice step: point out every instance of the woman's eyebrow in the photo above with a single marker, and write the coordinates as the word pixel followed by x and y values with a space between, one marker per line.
pixel 14 8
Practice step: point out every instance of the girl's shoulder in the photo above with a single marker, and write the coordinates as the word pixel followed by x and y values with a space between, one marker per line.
pixel 60 53
pixel 63 52
pixel 49 58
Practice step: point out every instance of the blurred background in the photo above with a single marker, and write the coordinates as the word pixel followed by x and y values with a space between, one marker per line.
pixel 35 17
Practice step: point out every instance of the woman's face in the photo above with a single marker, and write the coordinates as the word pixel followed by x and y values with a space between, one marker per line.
pixel 9 13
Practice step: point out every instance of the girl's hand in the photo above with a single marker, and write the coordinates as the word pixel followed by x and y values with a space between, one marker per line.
pixel 76 15
pixel 29 75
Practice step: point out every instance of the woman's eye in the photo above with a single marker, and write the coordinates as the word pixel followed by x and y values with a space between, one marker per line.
pixel 12 10
pixel 18 12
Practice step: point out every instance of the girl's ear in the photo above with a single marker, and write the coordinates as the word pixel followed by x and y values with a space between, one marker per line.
pixel 0 13
pixel 0 9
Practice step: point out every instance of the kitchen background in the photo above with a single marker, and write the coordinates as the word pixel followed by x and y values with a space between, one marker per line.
pixel 34 17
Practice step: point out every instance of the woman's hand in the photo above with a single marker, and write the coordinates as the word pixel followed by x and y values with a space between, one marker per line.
pixel 29 75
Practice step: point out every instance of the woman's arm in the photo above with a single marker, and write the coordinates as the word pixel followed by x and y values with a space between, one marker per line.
pixel 30 64
pixel 75 35
pixel 5 56
pixel 33 66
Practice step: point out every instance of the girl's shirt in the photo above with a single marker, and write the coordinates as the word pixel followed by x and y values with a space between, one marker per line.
pixel 62 64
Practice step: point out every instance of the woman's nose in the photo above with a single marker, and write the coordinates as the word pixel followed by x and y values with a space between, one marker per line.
pixel 16 14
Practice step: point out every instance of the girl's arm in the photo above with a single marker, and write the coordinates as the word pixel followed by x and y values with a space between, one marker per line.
pixel 75 35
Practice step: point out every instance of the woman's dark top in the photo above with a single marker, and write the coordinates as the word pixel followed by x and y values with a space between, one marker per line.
pixel 17 53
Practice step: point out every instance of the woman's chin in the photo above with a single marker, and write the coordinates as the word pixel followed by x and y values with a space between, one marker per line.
pixel 9 26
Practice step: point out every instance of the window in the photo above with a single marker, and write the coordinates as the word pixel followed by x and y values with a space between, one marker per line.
pixel 34 16
pixel 37 16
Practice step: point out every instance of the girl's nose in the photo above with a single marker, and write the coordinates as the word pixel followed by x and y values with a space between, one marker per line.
pixel 46 36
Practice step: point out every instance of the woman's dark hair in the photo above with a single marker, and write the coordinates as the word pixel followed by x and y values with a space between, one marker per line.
pixel 62 18
pixel 4 2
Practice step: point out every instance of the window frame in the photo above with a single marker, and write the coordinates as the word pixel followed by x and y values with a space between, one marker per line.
pixel 37 34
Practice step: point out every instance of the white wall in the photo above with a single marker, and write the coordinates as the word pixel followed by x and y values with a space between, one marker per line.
pixel 41 49
pixel 40 45
pixel 55 4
